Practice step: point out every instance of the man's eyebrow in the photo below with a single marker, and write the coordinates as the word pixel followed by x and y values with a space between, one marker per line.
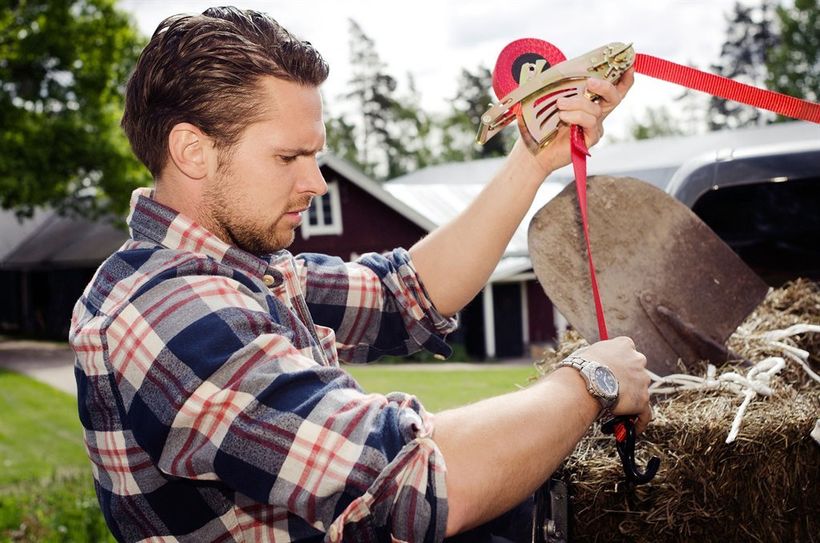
pixel 299 151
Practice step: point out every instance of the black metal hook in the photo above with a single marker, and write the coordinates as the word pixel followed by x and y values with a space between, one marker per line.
pixel 624 430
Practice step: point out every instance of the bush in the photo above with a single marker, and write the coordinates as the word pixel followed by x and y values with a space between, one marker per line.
pixel 58 509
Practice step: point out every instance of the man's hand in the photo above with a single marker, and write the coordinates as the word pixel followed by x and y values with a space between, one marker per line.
pixel 629 367
pixel 585 113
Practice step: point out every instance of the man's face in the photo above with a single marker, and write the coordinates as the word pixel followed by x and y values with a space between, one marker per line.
pixel 255 196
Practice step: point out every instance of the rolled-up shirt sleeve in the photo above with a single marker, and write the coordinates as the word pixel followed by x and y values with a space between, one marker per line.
pixel 213 389
pixel 377 305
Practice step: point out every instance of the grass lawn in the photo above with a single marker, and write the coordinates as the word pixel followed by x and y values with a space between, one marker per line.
pixel 439 389
pixel 46 489
pixel 40 433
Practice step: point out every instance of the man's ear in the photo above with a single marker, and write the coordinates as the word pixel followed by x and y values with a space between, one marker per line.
pixel 189 149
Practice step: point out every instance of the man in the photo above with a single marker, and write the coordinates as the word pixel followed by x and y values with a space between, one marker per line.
pixel 207 356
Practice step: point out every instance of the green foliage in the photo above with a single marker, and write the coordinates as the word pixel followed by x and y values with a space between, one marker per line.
pixel 57 509
pixel 414 129
pixel 390 134
pixel 63 64
pixel 381 142
pixel 657 122
pixel 341 139
pixel 794 64
pixel 46 487
pixel 750 34
pixel 473 97
pixel 769 44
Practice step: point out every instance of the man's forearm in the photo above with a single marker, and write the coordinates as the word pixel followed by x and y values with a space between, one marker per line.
pixel 455 261
pixel 499 450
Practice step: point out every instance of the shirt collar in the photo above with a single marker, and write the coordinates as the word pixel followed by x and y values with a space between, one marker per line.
pixel 152 221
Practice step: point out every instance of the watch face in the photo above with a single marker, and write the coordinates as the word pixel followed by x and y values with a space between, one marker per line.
pixel 606 381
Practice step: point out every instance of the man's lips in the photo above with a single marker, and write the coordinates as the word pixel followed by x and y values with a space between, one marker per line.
pixel 295 215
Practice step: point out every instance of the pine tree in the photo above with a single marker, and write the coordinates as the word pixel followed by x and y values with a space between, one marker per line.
pixel 391 134
pixel 341 139
pixel 794 64
pixel 657 122
pixel 415 129
pixel 473 98
pixel 751 33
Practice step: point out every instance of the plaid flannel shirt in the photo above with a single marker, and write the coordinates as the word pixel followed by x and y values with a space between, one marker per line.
pixel 214 406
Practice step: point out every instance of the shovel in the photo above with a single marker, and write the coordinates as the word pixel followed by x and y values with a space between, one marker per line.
pixel 666 279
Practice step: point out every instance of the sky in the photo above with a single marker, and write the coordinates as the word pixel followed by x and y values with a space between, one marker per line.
pixel 435 39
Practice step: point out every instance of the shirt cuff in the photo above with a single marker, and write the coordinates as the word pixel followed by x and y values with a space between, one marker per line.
pixel 408 500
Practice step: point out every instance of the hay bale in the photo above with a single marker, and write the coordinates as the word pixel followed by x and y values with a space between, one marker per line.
pixel 765 486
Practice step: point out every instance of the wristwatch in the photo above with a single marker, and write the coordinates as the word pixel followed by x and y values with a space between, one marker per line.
pixel 601 382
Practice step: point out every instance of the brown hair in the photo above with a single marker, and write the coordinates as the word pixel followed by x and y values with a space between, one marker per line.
pixel 204 70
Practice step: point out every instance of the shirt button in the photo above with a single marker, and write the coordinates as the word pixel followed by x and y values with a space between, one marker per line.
pixel 268 280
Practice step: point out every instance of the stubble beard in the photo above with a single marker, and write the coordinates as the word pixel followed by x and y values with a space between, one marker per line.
pixel 233 225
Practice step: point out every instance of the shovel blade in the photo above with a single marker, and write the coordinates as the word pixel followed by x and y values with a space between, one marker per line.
pixel 666 279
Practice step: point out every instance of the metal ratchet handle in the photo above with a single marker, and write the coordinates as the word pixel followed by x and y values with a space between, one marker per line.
pixel 608 62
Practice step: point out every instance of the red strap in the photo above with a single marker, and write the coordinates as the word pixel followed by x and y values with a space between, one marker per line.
pixel 727 88
pixel 579 165
pixel 692 78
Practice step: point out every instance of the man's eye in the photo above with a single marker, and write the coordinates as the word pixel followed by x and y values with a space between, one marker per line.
pixel 287 159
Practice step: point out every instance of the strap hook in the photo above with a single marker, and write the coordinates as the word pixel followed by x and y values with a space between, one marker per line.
pixel 624 430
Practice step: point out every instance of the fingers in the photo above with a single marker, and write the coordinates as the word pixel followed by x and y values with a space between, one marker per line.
pixel 625 82
pixel 611 95
pixel 579 110
pixel 587 114
pixel 644 418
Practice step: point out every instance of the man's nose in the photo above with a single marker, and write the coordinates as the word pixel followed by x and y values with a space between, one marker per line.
pixel 313 181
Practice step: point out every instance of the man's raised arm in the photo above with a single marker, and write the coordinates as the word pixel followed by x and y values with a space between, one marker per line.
pixel 456 260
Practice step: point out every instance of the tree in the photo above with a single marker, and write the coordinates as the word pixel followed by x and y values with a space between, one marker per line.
pixel 751 33
pixel 413 128
pixel 393 135
pixel 794 64
pixel 341 139
pixel 657 122
pixel 473 98
pixel 372 91
pixel 63 64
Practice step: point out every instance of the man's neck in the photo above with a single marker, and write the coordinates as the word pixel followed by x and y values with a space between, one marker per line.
pixel 175 193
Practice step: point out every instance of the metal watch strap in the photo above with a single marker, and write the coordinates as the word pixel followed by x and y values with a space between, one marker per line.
pixel 575 361
pixel 579 362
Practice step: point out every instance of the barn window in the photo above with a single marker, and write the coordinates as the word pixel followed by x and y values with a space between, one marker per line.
pixel 325 214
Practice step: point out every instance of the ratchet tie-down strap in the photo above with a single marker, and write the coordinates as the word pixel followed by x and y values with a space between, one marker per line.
pixel 692 78
pixel 623 427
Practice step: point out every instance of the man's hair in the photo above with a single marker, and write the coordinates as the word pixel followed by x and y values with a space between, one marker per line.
pixel 205 70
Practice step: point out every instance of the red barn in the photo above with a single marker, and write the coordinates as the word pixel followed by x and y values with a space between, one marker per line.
pixel 359 215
